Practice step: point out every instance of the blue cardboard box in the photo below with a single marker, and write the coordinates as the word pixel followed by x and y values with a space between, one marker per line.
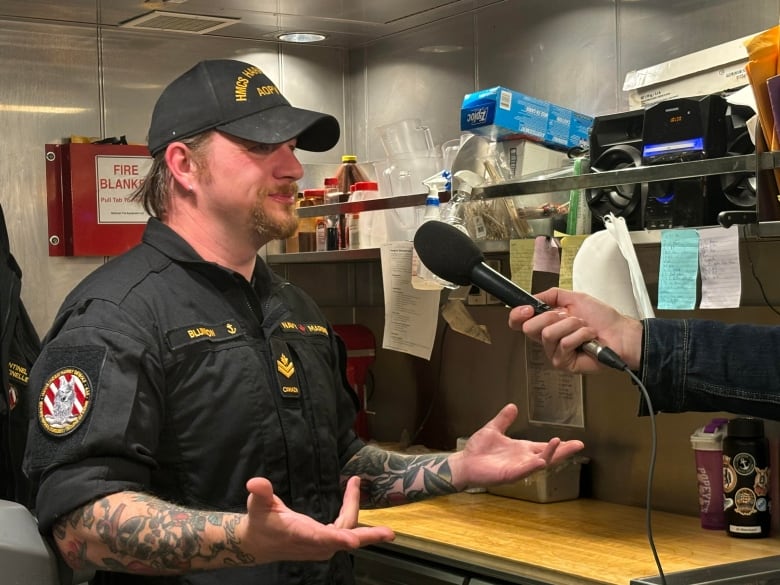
pixel 504 114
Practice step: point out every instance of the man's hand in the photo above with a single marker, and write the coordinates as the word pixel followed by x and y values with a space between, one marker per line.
pixel 273 532
pixel 490 457
pixel 577 318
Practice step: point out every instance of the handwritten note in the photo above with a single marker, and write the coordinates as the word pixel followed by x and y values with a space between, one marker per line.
pixel 721 282
pixel 554 396
pixel 570 245
pixel 521 262
pixel 679 269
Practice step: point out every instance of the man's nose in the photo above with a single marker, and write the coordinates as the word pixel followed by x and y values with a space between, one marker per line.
pixel 288 164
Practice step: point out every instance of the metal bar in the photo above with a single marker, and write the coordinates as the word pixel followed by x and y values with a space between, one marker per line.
pixel 677 170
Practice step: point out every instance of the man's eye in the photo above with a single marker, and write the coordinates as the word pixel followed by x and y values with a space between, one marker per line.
pixel 261 148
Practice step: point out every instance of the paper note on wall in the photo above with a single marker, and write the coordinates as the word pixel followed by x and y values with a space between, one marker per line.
pixel 554 396
pixel 570 245
pixel 411 315
pixel 679 269
pixel 521 262
pixel 721 277
pixel 547 255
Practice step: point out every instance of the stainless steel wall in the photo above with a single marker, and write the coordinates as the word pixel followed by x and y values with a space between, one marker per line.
pixel 60 81
pixel 572 52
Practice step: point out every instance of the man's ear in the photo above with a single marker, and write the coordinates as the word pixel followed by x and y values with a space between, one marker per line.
pixel 181 164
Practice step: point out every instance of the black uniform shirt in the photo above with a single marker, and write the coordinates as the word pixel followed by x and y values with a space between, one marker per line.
pixel 173 376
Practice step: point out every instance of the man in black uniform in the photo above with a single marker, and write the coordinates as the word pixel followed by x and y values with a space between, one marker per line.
pixel 194 423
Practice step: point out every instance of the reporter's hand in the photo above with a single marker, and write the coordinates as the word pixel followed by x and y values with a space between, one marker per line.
pixel 577 318
pixel 274 532
pixel 490 457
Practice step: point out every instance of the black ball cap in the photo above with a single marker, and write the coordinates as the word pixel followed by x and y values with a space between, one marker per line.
pixel 236 98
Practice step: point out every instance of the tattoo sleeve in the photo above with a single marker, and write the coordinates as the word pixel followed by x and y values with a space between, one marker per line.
pixel 392 478
pixel 137 533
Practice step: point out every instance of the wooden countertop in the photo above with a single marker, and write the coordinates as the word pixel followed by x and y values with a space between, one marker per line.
pixel 563 543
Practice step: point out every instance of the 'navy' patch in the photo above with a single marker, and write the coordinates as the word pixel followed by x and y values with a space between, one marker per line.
pixel 303 328
pixel 202 332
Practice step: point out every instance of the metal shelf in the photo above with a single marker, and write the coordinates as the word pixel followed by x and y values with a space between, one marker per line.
pixel 678 170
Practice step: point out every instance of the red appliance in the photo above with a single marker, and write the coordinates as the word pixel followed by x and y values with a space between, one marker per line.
pixel 361 352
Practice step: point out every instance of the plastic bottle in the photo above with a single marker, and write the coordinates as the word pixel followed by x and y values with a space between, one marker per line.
pixel 422 277
pixel 463 182
pixel 746 479
pixel 365 228
pixel 348 174
pixel 307 228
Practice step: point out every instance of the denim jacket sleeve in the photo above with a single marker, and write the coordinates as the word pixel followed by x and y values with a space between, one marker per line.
pixel 709 366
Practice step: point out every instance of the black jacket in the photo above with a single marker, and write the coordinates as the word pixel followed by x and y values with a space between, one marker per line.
pixel 173 376
pixel 19 346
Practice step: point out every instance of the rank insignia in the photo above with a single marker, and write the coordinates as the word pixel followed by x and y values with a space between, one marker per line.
pixel 285 367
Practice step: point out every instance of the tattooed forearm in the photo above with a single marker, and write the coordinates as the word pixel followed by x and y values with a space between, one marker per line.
pixel 397 478
pixel 138 533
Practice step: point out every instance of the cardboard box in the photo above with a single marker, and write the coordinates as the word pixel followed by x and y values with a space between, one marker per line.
pixel 504 114
pixel 711 70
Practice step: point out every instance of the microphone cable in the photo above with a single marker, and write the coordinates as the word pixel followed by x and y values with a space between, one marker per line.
pixel 650 472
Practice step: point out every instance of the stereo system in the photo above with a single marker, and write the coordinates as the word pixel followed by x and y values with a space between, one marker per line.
pixel 676 130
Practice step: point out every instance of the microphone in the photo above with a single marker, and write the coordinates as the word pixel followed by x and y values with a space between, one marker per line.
pixel 452 255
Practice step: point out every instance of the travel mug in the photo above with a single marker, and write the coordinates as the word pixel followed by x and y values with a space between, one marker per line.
pixel 746 482
pixel 707 443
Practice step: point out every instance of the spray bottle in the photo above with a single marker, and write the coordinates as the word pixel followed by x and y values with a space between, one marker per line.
pixel 422 278
pixel 463 182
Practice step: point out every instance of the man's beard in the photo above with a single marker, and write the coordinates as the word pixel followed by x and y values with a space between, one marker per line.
pixel 273 227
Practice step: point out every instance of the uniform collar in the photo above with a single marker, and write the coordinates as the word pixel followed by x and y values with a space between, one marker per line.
pixel 164 239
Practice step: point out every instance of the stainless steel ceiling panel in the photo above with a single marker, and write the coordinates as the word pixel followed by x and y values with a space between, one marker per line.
pixel 347 24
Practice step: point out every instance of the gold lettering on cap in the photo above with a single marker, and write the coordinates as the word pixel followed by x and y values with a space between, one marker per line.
pixel 267 90
pixel 242 82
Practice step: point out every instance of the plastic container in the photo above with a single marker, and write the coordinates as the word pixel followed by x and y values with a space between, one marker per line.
pixel 707 442
pixel 422 277
pixel 348 174
pixel 555 483
pixel 366 229
pixel 746 479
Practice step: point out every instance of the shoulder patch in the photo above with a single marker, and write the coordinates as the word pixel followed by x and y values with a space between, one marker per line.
pixel 64 401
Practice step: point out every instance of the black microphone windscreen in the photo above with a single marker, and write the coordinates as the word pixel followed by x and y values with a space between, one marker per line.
pixel 447 251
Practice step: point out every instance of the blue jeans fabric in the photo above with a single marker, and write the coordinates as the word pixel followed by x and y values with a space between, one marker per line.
pixel 709 366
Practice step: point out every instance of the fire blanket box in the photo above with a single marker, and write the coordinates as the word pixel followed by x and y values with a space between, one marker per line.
pixel 89 197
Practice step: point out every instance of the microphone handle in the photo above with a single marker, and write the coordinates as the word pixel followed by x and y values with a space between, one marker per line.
pixel 510 294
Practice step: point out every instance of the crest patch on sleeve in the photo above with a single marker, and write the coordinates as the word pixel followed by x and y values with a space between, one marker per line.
pixel 64 401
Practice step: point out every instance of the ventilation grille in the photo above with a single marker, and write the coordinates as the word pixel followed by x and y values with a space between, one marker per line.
pixel 178 22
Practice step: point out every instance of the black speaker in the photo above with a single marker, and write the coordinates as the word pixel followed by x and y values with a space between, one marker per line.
pixel 739 189
pixel 616 143
pixel 677 130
